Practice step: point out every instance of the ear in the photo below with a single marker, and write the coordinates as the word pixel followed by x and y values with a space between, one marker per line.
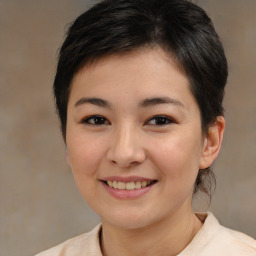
pixel 212 143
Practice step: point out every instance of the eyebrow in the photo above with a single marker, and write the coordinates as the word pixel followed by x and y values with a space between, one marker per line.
pixel 145 103
pixel 94 101
pixel 160 100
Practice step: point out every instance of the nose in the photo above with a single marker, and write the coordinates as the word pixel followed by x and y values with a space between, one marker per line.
pixel 126 147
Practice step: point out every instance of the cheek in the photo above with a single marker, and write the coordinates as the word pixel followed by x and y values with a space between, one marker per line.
pixel 177 158
pixel 85 154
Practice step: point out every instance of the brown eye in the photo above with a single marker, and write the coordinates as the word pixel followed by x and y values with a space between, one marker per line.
pixel 160 120
pixel 95 120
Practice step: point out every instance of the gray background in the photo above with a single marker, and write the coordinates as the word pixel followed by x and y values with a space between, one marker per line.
pixel 40 205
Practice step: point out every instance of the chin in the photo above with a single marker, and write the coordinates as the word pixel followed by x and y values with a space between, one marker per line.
pixel 130 220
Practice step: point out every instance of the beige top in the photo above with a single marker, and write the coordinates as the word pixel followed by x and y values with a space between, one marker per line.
pixel 212 240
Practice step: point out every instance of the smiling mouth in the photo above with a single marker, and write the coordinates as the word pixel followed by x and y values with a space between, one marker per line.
pixel 133 185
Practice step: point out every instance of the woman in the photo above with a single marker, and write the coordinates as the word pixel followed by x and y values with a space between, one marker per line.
pixel 139 89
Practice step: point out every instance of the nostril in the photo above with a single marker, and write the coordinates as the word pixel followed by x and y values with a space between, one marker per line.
pixel 128 164
pixel 125 151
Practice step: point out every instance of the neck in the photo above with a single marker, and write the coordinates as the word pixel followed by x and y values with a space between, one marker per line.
pixel 166 237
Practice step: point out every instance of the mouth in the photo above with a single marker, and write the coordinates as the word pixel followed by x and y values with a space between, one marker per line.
pixel 132 185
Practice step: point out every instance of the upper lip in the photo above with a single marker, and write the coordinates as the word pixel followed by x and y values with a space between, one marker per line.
pixel 126 179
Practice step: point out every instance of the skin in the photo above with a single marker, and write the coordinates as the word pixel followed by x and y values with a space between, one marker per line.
pixel 129 140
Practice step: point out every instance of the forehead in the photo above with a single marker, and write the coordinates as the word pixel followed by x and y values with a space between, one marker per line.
pixel 126 82
pixel 142 67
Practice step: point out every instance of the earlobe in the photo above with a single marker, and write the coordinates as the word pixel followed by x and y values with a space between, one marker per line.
pixel 212 143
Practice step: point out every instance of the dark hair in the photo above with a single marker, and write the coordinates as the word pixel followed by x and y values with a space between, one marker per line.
pixel 179 27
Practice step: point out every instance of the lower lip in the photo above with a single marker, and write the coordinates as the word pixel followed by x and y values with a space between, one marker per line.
pixel 127 194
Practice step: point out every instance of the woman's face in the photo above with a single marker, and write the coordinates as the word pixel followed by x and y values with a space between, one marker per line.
pixel 133 122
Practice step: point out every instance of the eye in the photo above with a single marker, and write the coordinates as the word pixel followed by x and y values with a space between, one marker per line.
pixel 95 120
pixel 160 120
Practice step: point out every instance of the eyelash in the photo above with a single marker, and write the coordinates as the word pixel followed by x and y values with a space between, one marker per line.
pixel 97 118
pixel 164 120
pixel 101 120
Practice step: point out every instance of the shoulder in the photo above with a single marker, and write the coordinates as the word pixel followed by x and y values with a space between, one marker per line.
pixel 214 239
pixel 235 242
pixel 85 244
pixel 225 241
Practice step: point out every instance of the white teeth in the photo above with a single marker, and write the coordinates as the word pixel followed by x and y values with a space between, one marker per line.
pixel 121 185
pixel 110 183
pixel 143 184
pixel 115 184
pixel 128 185
pixel 137 184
